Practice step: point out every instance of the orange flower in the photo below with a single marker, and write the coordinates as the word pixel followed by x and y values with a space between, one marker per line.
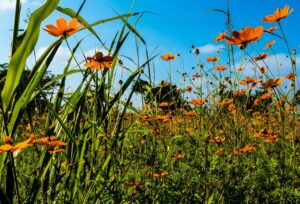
pixel 212 59
pixel 235 151
pixel 265 96
pixel 196 76
pixel 249 80
pixel 221 150
pixel 278 15
pixel 190 113
pixel 145 118
pixel 217 140
pixel 245 36
pixel 42 141
pixel 24 144
pixel 56 150
pixel 133 183
pixel 6 148
pixel 49 143
pixel 269 44
pixel 271 83
pixel 62 28
pixel 198 101
pixel 247 148
pixel 177 156
pixel 168 56
pixel 189 89
pixel 158 174
pixel 261 56
pixel 240 92
pixel 99 61
pixel 272 29
pixel 220 68
pixel 163 104
pixel 290 76
pixel 225 102
pixel 220 37
pixel 162 118
pixel 7 140
pixel 19 146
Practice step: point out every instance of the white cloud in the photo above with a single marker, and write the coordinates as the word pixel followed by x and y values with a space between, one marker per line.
pixel 274 62
pixel 62 53
pixel 210 48
pixel 8 4
pixel 91 52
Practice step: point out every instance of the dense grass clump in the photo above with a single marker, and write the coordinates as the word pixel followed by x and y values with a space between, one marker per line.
pixel 235 141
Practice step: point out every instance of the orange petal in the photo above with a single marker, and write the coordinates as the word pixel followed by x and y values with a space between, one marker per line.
pixel 61 24
pixel 6 148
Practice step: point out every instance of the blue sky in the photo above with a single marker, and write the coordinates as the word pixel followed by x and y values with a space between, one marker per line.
pixel 172 26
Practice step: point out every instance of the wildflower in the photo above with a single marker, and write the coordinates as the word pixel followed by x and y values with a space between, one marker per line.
pixel 177 156
pixel 221 150
pixel 197 75
pixel 217 140
pixel 272 29
pixel 261 56
pixel 26 143
pixel 6 148
pixel 225 102
pixel 232 109
pixel 49 143
pixel 145 118
pixel 278 15
pixel 162 118
pixel 220 37
pixel 7 140
pixel 272 83
pixel 269 44
pixel 263 69
pixel 99 61
pixel 290 76
pixel 163 104
pixel 220 68
pixel 197 101
pixel 247 148
pixel 168 56
pixel 241 69
pixel 212 59
pixel 62 28
pixel 134 183
pixel 249 80
pixel 235 151
pixel 28 127
pixel 158 174
pixel 189 89
pixel 190 113
pixel 240 92
pixel 245 36
pixel 256 102
pixel 265 96
pixel 147 105
pixel 56 150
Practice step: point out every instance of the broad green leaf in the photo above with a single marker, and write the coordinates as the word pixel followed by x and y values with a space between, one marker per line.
pixel 18 60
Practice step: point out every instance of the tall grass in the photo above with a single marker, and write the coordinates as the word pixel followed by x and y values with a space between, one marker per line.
pixel 228 145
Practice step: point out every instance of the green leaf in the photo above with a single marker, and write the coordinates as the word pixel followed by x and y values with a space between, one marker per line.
pixel 18 60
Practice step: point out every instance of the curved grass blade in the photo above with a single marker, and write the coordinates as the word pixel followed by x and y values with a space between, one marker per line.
pixel 26 95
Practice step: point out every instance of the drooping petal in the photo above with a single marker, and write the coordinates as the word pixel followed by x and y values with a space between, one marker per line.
pixel 61 24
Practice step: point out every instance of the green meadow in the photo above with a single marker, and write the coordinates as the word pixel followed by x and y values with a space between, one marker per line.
pixel 221 136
